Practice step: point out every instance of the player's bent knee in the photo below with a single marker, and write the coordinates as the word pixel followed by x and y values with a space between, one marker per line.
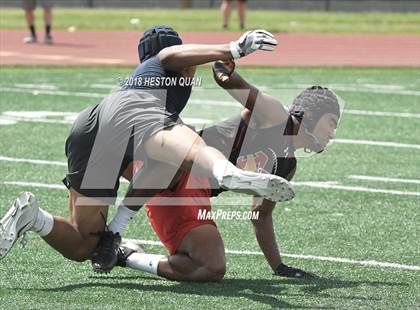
pixel 216 273
pixel 213 272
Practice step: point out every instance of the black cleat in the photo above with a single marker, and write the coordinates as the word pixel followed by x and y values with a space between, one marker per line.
pixel 105 256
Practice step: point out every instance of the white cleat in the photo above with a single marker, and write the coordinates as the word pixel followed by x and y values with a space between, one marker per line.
pixel 30 40
pixel 268 186
pixel 19 219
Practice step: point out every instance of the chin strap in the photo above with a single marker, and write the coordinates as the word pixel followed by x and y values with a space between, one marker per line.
pixel 315 144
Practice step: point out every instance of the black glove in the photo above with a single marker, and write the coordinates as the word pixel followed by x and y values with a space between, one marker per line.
pixel 222 70
pixel 290 272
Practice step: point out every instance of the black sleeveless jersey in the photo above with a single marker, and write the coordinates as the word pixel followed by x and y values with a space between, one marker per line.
pixel 268 149
pixel 148 75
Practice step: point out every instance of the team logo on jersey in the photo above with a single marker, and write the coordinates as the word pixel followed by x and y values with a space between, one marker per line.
pixel 253 162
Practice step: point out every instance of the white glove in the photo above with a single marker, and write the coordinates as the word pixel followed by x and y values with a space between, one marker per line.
pixel 251 41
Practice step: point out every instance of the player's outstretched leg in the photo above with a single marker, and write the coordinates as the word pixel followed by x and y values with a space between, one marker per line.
pixel 195 156
pixel 75 239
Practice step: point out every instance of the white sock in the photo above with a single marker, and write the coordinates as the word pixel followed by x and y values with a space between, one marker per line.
pixel 144 262
pixel 44 223
pixel 220 168
pixel 121 220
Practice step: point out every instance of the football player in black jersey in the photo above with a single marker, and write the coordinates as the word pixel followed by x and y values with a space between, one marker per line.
pixel 264 136
pixel 132 123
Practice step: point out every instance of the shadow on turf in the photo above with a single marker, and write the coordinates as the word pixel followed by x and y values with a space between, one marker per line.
pixel 264 291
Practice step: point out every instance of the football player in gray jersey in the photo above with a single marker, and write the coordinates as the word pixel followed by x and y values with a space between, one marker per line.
pixel 138 119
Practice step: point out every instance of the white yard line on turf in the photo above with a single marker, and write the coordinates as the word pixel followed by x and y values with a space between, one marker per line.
pixel 52 92
pixel 377 113
pixel 10 117
pixel 376 91
pixel 36 120
pixel 383 179
pixel 104 86
pixel 346 111
pixel 33 161
pixel 7 122
pixel 32 184
pixel 232 201
pixel 11 120
pixel 378 143
pixel 369 263
pixel 41 91
pixel 334 185
pixel 360 88
pixel 364 88
pixel 37 86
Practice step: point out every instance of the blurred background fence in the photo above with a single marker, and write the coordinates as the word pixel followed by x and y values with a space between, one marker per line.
pixel 304 5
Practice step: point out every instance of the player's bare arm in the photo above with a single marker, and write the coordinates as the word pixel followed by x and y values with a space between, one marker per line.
pixel 179 57
pixel 267 110
pixel 264 231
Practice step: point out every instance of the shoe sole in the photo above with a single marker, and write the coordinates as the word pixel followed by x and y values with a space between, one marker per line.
pixel 268 186
pixel 134 245
pixel 30 41
pixel 102 270
pixel 98 270
pixel 8 233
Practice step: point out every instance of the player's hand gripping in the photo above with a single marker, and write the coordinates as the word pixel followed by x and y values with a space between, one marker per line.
pixel 222 70
pixel 251 41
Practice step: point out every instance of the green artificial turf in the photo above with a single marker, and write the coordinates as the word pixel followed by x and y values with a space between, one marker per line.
pixel 356 225
pixel 210 20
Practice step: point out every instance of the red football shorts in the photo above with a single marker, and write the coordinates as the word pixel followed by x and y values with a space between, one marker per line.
pixel 173 214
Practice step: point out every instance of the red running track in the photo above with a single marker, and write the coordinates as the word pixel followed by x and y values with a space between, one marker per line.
pixel 120 48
